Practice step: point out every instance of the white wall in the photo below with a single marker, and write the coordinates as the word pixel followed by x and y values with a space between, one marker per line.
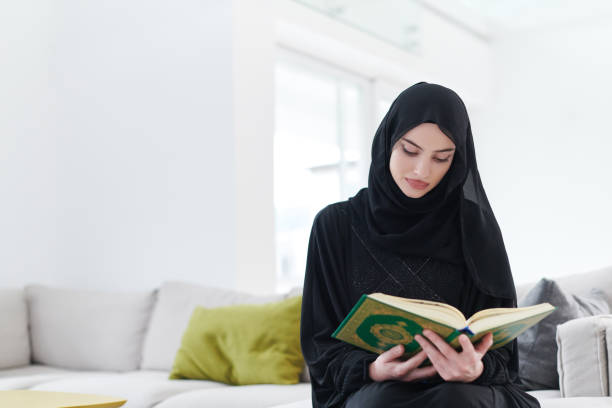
pixel 137 146
pixel 136 137
pixel 28 163
pixel 117 143
pixel 544 149
pixel 253 70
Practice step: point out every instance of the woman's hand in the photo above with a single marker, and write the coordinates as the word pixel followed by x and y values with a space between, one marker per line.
pixel 464 366
pixel 387 366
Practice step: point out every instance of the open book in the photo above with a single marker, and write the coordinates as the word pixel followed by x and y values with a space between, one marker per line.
pixel 378 322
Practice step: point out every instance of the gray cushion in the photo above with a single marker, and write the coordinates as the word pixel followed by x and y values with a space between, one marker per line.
pixel 578 283
pixel 537 345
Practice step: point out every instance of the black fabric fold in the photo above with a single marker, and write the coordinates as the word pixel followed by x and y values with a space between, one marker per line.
pixel 341 266
pixel 364 244
pixel 454 221
pixel 336 369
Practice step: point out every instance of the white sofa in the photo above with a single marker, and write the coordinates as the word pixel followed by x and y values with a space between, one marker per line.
pixel 119 344
pixel 123 344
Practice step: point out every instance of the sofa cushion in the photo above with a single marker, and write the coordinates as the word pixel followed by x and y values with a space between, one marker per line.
pixel 307 403
pixel 243 344
pixel 34 369
pixel 88 330
pixel 21 378
pixel 175 304
pixel 14 338
pixel 537 345
pixel 252 396
pixel 582 359
pixel 578 402
pixel 142 389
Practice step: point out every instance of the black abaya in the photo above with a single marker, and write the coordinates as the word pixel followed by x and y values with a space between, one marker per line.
pixel 342 264
pixel 444 246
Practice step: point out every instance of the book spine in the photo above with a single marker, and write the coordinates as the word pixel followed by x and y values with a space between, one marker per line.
pixel 348 317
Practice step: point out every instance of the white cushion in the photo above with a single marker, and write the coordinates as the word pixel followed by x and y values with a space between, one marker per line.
pixel 24 378
pixel 142 389
pixel 252 396
pixel 545 394
pixel 582 361
pixel 34 369
pixel 578 402
pixel 307 403
pixel 14 339
pixel 88 330
pixel 175 303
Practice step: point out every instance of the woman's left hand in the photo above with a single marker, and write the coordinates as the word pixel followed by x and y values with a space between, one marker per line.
pixel 463 366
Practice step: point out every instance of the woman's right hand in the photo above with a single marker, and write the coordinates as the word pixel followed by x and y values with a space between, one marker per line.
pixel 387 366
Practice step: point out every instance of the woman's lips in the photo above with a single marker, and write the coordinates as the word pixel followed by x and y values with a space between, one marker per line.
pixel 419 185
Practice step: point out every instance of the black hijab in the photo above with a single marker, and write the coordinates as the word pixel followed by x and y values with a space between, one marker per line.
pixel 453 221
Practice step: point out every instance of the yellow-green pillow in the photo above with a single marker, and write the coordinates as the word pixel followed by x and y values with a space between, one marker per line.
pixel 243 344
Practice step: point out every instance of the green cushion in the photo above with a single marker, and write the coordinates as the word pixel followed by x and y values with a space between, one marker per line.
pixel 243 344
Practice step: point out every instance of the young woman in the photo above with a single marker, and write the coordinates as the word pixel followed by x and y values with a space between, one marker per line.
pixel 423 228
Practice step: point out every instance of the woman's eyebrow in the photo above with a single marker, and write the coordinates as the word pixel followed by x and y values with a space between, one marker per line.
pixel 450 149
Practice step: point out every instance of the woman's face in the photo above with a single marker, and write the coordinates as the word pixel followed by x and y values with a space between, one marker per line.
pixel 420 158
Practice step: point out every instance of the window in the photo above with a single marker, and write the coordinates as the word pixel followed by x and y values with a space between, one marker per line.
pixel 323 131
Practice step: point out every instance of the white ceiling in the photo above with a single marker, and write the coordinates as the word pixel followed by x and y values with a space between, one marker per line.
pixel 513 15
pixel 397 21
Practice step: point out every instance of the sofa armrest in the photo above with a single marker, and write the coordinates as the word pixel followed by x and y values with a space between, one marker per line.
pixel 582 356
pixel 609 344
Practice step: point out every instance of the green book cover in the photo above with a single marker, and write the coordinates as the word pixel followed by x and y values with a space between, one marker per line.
pixel 379 322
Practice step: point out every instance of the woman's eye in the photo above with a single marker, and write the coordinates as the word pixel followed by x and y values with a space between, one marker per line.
pixel 408 152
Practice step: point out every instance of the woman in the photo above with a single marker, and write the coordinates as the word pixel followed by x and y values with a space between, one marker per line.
pixel 423 228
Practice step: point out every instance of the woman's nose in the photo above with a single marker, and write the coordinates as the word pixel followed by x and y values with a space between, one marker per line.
pixel 422 168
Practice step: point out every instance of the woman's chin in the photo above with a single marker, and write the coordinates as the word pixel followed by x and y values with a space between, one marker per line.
pixel 414 193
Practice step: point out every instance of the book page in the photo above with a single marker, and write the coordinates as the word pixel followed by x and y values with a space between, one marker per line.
pixel 441 312
pixel 492 318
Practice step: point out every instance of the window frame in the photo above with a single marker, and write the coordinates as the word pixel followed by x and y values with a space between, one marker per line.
pixel 373 89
